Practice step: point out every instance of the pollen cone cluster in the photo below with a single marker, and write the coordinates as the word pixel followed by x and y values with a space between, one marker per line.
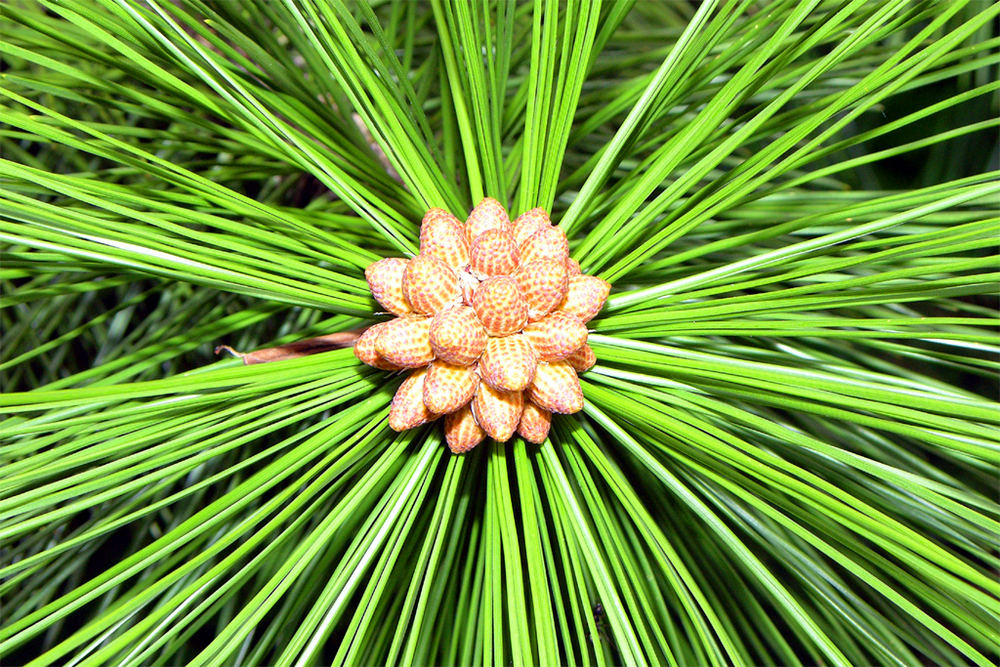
pixel 491 316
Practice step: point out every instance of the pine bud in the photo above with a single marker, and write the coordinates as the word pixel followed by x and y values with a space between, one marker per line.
pixel 585 296
pixel 457 336
pixel 556 336
pixel 500 306
pixel 461 431
pixel 385 279
pixel 496 314
pixel 443 236
pixel 448 387
pixel 405 341
pixel 556 388
pixel 408 409
pixel 508 364
pixel 429 284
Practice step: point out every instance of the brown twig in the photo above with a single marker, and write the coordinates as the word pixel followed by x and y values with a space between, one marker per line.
pixel 300 348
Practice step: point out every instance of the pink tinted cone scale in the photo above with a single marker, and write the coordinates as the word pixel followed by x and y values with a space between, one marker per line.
pixel 547 243
pixel 535 423
pixel 461 431
pixel 408 409
pixel 543 284
pixel 556 336
pixel 405 341
pixel 583 359
pixel 492 316
pixel 528 223
pixel 497 412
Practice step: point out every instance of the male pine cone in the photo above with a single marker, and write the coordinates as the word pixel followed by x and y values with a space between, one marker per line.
pixel 491 316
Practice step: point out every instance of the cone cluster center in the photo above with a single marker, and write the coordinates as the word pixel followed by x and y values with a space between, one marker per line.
pixel 491 316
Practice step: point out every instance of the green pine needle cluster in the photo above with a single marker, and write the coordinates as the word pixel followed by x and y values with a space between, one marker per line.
pixel 789 449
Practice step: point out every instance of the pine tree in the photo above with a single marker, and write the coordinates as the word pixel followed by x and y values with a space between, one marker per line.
pixel 788 449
